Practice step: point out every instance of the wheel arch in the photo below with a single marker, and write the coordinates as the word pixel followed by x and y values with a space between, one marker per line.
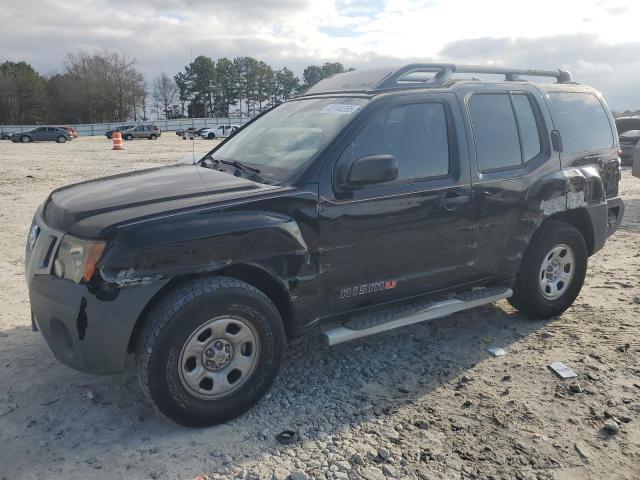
pixel 581 220
pixel 254 275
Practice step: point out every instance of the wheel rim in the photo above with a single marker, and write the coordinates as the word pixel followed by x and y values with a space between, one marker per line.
pixel 26 139
pixel 62 140
pixel 556 271
pixel 219 357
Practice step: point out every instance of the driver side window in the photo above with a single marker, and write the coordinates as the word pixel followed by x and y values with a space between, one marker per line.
pixel 415 134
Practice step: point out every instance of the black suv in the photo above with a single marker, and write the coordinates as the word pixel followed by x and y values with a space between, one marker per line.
pixel 376 200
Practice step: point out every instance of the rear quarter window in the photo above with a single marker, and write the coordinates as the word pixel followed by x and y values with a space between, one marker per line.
pixel 582 121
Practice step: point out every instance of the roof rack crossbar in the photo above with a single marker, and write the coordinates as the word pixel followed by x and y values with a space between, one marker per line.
pixel 444 71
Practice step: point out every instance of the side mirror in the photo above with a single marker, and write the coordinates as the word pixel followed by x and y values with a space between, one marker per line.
pixel 373 169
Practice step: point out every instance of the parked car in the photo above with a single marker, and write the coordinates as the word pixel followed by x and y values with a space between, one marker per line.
pixel 221 131
pixel 629 135
pixel 350 210
pixel 186 131
pixel 121 128
pixel 72 131
pixel 42 134
pixel 5 136
pixel 142 131
pixel 629 142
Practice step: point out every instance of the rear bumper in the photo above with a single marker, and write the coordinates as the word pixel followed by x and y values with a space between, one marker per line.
pixel 605 220
pixel 615 213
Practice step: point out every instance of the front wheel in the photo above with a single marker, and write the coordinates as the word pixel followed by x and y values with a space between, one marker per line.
pixel 552 271
pixel 209 351
pixel 26 139
pixel 128 137
pixel 211 136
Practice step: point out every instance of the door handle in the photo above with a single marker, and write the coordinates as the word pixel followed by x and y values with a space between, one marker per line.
pixel 452 202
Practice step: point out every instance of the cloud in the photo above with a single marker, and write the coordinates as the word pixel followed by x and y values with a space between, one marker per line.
pixel 611 68
pixel 163 35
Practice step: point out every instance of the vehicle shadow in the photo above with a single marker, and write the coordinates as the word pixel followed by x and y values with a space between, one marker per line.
pixel 54 419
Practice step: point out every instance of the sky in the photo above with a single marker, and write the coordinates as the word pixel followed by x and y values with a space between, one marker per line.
pixel 597 40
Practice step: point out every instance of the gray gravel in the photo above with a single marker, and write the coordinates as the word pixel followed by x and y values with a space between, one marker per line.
pixel 425 402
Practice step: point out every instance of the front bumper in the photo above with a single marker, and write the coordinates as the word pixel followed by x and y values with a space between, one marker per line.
pixel 87 326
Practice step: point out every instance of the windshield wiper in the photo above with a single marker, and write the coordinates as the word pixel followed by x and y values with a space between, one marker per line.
pixel 237 164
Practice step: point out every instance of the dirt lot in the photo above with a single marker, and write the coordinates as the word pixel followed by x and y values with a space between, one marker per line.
pixel 423 402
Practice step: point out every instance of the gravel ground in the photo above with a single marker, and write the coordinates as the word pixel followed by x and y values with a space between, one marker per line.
pixel 425 402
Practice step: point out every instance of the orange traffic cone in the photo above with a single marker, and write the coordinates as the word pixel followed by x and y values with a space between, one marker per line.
pixel 118 144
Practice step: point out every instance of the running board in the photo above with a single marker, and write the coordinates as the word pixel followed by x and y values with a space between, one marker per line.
pixel 410 313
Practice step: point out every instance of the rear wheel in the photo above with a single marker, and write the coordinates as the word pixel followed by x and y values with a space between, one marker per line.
pixel 128 137
pixel 61 139
pixel 153 136
pixel 211 136
pixel 552 271
pixel 209 351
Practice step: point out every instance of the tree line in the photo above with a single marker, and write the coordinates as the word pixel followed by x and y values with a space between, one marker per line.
pixel 108 87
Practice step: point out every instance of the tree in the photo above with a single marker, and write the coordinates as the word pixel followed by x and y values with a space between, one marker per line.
pixel 182 83
pixel 265 84
pixel 247 68
pixel 201 77
pixel 22 94
pixel 165 91
pixel 227 88
pixel 314 73
pixel 286 84
pixel 108 86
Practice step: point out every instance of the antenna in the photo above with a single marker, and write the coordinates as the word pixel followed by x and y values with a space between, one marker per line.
pixel 193 127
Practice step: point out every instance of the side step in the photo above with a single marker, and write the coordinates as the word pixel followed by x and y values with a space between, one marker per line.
pixel 413 312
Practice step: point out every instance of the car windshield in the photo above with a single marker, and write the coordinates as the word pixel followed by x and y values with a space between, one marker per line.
pixel 288 137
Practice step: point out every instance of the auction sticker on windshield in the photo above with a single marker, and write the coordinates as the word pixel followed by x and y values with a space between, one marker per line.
pixel 340 108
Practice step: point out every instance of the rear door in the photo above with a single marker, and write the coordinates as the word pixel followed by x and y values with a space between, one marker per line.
pixel 511 150
pixel 39 134
pixel 406 237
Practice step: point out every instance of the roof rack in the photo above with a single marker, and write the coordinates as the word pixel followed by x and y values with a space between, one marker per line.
pixel 444 71
pixel 408 77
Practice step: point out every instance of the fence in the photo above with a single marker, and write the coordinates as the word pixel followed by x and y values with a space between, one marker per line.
pixel 88 129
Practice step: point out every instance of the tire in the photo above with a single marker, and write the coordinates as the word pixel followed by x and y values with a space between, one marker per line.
pixel 128 137
pixel 211 136
pixel 175 327
pixel 61 139
pixel 26 139
pixel 552 271
pixel 153 137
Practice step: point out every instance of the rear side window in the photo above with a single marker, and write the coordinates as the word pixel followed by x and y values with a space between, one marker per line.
pixel 415 134
pixel 582 121
pixel 505 130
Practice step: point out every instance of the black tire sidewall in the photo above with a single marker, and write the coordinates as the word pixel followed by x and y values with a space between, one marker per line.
pixel 527 294
pixel 61 139
pixel 165 387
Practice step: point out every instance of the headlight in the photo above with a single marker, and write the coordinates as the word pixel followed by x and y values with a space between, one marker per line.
pixel 76 259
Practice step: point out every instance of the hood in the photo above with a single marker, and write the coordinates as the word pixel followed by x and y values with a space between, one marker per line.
pixel 87 209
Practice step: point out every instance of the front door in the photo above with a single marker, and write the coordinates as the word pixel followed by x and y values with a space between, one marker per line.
pixel 406 237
